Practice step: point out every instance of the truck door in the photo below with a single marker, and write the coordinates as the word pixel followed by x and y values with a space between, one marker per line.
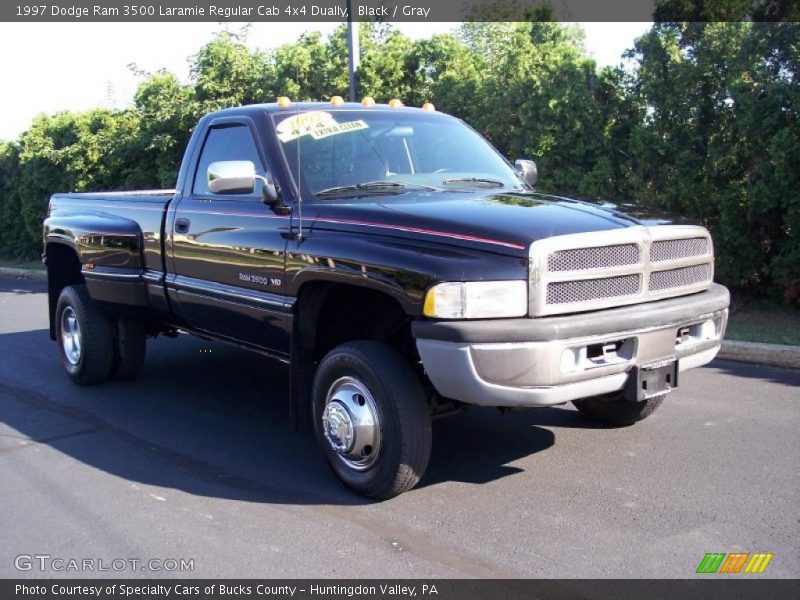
pixel 229 250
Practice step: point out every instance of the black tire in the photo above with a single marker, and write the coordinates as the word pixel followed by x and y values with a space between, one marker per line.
pixel 130 345
pixel 404 416
pixel 614 409
pixel 96 355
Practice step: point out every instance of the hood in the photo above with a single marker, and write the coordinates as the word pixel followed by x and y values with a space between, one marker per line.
pixel 500 222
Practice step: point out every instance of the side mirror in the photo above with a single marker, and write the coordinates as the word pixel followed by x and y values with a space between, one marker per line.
pixel 239 177
pixel 232 177
pixel 527 169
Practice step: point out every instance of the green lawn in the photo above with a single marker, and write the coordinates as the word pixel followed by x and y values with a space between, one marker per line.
pixel 21 264
pixel 760 320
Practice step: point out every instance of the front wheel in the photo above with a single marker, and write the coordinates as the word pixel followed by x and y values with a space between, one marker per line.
pixel 615 409
pixel 371 419
pixel 85 336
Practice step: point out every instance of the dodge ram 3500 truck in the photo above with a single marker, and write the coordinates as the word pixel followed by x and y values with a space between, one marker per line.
pixel 401 267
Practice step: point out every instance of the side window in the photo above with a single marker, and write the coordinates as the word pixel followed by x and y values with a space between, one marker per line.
pixel 225 143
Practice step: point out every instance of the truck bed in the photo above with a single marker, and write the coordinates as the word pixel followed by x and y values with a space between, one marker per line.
pixel 118 232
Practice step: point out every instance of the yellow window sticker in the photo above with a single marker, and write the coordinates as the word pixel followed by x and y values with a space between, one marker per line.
pixel 337 128
pixel 317 124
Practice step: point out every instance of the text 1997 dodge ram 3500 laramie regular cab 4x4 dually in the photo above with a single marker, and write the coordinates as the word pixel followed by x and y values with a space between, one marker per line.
pixel 400 266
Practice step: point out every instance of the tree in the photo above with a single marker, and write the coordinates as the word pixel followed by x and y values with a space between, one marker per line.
pixel 13 241
pixel 167 111
pixel 702 121
pixel 304 69
pixel 226 73
pixel 535 97
pixel 720 139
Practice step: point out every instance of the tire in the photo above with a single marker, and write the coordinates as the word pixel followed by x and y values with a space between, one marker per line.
pixel 354 382
pixel 130 345
pixel 614 409
pixel 85 336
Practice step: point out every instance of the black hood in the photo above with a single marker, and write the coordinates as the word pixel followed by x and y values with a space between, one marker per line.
pixel 502 222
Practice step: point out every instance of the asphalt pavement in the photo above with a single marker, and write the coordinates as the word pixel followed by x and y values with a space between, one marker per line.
pixel 196 460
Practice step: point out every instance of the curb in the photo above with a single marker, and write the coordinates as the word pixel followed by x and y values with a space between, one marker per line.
pixel 773 355
pixel 32 274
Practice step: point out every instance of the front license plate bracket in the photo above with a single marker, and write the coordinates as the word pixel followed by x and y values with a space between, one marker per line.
pixel 654 379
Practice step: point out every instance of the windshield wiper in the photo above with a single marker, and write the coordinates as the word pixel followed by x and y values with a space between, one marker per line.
pixel 372 187
pixel 475 180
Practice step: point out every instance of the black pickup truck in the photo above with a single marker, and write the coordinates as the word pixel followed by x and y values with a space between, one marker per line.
pixel 399 264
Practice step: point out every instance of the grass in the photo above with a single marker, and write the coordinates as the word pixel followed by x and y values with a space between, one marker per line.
pixel 21 264
pixel 761 320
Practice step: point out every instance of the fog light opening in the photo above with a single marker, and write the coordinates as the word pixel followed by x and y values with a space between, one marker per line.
pixel 600 354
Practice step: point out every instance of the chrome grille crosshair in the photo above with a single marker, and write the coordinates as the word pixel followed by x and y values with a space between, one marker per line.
pixel 603 269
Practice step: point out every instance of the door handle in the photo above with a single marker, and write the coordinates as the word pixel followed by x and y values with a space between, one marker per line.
pixel 182 225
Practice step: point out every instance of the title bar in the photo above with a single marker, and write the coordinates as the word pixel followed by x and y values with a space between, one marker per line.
pixel 393 10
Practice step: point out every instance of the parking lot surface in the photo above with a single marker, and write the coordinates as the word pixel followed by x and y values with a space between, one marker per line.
pixel 196 460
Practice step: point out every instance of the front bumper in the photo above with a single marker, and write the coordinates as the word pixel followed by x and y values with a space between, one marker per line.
pixel 546 361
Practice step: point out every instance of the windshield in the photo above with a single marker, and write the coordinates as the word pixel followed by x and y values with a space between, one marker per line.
pixel 365 152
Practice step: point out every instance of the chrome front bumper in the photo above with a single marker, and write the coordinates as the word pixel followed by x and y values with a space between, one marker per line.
pixel 550 368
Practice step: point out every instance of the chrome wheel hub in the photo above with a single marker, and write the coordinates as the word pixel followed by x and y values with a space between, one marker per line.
pixel 351 423
pixel 71 339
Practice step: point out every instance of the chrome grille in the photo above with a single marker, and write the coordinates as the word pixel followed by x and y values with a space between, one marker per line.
pixel 603 269
pixel 677 278
pixel 593 258
pixel 561 292
pixel 675 249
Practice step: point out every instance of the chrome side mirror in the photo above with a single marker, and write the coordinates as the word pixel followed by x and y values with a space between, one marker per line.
pixel 527 170
pixel 232 177
pixel 238 177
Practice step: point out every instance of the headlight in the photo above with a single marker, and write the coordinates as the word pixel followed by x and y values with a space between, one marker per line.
pixel 477 300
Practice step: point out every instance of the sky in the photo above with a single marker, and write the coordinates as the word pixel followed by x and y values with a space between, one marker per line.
pixel 49 67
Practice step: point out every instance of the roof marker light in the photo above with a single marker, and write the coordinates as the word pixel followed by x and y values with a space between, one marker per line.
pixel 337 100
pixel 283 101
pixel 368 101
pixel 428 106
pixel 395 103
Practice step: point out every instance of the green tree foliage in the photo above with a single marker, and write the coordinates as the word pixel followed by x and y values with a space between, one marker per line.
pixel 536 96
pixel 304 70
pixel 167 111
pixel 719 141
pixel 701 119
pixel 13 241
pixel 226 73
pixel 726 10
